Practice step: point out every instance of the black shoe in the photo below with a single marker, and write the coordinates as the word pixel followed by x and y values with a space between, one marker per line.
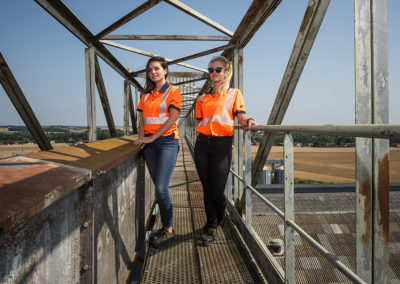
pixel 210 236
pixel 160 237
pixel 204 229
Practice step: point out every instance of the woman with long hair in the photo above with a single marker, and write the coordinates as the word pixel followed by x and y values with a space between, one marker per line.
pixel 159 109
pixel 215 112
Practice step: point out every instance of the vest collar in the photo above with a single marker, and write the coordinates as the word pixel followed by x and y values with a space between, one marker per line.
pixel 164 87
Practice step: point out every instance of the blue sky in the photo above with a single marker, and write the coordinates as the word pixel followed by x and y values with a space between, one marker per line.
pixel 48 61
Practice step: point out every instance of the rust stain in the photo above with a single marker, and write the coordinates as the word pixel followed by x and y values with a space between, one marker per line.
pixel 240 60
pixel 99 249
pixel 365 190
pixel 28 186
pixel 383 195
pixel 306 19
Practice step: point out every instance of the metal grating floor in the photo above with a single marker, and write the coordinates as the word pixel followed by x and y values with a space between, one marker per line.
pixel 185 259
pixel 333 230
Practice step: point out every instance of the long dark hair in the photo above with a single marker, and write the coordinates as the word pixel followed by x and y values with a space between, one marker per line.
pixel 150 85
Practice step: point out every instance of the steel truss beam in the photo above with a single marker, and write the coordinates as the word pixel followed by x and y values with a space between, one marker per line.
pixel 145 53
pixel 104 99
pixel 372 155
pixel 21 104
pixel 312 20
pixel 64 15
pixel 184 8
pixel 166 37
pixel 128 17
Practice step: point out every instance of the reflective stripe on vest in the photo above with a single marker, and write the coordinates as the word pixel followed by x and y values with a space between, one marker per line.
pixel 162 111
pixel 224 118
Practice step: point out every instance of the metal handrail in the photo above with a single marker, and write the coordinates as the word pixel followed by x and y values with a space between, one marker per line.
pixel 330 257
pixel 383 131
pixel 389 131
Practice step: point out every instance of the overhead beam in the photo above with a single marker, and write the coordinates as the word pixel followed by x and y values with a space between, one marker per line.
pixel 22 106
pixel 64 16
pixel 128 17
pixel 310 25
pixel 145 53
pixel 203 53
pixel 196 55
pixel 167 37
pixel 184 8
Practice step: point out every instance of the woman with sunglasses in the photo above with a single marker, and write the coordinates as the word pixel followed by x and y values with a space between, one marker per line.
pixel 215 112
pixel 159 109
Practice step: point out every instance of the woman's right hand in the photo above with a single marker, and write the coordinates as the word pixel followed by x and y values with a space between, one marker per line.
pixel 140 142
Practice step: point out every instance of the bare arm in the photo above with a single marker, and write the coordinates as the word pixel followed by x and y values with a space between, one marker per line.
pixel 245 121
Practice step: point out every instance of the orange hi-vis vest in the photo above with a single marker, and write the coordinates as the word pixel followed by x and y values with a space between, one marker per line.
pixel 216 114
pixel 155 107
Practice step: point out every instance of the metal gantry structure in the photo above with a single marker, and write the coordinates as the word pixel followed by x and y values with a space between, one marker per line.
pixel 372 128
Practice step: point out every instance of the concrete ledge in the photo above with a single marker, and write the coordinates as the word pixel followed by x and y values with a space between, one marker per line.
pixel 31 183
pixel 96 156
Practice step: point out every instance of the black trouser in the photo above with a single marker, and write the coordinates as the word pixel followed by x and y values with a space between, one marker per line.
pixel 213 157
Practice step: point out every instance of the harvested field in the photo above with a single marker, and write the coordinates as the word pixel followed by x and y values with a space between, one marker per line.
pixel 335 165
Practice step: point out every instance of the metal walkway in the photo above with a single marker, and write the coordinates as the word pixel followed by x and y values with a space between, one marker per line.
pixel 185 259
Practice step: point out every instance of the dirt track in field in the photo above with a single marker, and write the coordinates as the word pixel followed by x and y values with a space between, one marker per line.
pixel 330 164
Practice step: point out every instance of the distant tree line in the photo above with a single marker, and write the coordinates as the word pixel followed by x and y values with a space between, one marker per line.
pixel 45 128
pixel 22 136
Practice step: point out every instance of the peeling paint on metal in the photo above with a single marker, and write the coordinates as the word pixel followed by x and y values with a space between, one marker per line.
pixel 365 191
pixel 383 195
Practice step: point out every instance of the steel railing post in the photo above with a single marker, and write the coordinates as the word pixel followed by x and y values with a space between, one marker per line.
pixel 289 209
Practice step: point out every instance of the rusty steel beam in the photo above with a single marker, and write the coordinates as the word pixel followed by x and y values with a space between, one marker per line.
pixel 128 17
pixel 127 88
pixel 310 25
pixel 129 109
pixel 254 18
pixel 186 9
pixel 132 113
pixel 372 155
pixel 166 37
pixel 90 93
pixel 104 99
pixel 22 106
pixel 64 16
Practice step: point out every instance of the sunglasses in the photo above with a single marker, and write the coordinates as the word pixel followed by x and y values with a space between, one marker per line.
pixel 218 69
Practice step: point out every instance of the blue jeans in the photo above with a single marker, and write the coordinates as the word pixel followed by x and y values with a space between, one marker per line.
pixel 160 157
